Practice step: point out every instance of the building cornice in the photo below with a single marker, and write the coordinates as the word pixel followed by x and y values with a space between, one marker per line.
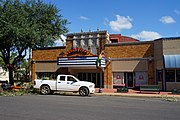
pixel 168 38
pixel 49 48
pixel 85 33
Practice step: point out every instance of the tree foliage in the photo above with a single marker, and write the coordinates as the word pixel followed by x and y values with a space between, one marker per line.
pixel 27 24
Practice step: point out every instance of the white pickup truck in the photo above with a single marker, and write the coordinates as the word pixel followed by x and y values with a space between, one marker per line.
pixel 66 83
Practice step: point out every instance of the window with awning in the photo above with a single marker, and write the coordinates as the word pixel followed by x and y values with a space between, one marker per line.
pixel 172 61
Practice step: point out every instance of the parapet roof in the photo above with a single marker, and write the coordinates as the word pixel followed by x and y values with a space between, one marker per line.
pixel 90 32
pixel 168 38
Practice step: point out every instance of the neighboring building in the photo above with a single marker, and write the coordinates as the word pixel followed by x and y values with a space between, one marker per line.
pixel 4 75
pixel 117 38
pixel 125 61
pixel 167 62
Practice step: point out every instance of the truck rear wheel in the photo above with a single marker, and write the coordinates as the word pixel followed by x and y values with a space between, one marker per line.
pixel 84 91
pixel 45 90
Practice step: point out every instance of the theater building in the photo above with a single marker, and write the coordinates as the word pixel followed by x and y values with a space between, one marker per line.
pixel 124 61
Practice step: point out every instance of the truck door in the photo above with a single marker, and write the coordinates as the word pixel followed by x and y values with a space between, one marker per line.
pixel 72 84
pixel 62 83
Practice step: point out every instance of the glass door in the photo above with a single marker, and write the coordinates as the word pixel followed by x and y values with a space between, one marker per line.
pixel 91 77
pixel 129 78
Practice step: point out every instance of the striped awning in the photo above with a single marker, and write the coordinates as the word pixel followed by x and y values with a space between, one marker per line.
pixel 172 61
pixel 80 61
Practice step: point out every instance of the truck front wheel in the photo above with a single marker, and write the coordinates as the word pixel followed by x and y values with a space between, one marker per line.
pixel 84 91
pixel 45 90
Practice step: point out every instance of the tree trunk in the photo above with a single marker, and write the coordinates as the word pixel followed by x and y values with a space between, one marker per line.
pixel 11 79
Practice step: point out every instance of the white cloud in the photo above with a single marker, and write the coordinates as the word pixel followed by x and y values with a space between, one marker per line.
pixel 106 22
pixel 167 20
pixel 60 41
pixel 177 12
pixel 83 18
pixel 121 23
pixel 146 35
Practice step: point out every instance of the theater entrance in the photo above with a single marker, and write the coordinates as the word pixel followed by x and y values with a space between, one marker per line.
pixel 91 77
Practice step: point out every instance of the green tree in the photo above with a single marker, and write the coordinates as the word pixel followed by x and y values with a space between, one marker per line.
pixel 27 24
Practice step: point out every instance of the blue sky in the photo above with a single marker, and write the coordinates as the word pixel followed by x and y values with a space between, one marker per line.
pixel 141 19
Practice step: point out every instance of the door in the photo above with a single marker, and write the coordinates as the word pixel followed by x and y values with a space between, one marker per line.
pixel 67 83
pixel 129 78
pixel 72 83
pixel 62 83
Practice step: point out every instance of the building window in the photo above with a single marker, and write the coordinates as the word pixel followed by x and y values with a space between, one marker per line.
pixel 118 79
pixel 46 75
pixel 141 78
pixel 170 75
pixel 90 42
pixel 94 50
pixel 177 75
pixel 75 43
pixel 114 40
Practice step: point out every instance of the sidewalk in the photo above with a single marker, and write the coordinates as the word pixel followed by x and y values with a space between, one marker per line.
pixel 136 93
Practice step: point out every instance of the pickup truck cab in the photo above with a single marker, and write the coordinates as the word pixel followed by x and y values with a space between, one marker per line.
pixel 66 83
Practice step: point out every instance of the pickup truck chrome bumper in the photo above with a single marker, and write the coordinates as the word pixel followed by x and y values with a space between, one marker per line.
pixel 91 90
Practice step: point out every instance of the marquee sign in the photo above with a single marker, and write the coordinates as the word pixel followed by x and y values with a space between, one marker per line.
pixel 80 61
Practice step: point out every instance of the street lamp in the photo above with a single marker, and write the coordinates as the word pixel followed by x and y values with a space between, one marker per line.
pixel 101 69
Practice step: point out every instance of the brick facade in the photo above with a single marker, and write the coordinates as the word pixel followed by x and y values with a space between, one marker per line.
pixel 129 50
pixel 112 50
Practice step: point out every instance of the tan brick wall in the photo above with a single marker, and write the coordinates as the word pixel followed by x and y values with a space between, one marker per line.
pixel 158 54
pixel 151 73
pixel 48 54
pixel 108 76
pixel 171 46
pixel 131 50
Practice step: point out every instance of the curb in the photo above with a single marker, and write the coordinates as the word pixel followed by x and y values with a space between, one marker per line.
pixel 137 95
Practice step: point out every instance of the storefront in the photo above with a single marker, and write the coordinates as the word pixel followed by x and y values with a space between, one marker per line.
pixel 130 63
pixel 78 57
pixel 83 66
pixel 130 73
pixel 130 67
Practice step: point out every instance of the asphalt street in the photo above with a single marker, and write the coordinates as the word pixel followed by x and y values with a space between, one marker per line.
pixel 58 107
